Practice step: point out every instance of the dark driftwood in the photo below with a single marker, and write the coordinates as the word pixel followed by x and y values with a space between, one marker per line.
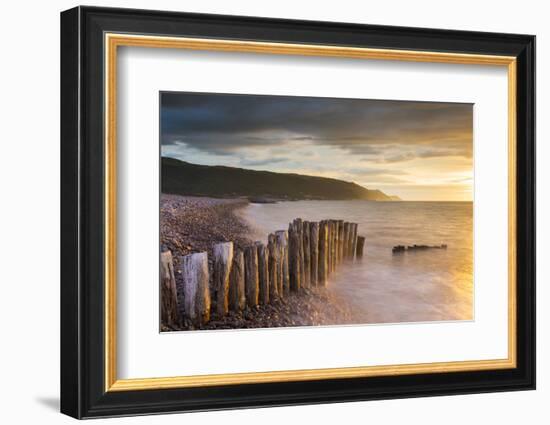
pixel 282 237
pixel 323 254
pixel 237 297
pixel 168 292
pixel 314 252
pixel 340 241
pixel 263 273
pixel 196 291
pixel 306 282
pixel 346 240
pixel 401 248
pixel 294 257
pixel 274 268
pixel 221 268
pixel 360 245
pixel 251 282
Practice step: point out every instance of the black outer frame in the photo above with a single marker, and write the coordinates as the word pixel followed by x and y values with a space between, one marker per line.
pixel 82 206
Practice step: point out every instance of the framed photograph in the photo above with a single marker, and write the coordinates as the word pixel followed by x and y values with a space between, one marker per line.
pixel 261 212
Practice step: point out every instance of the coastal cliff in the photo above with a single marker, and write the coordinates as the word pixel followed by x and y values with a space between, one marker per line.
pixel 184 178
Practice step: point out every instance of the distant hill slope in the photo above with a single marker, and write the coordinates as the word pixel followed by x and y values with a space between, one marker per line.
pixel 184 178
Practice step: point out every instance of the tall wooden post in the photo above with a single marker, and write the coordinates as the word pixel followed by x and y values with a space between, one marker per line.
pixel 350 242
pixel 294 257
pixel 333 243
pixel 300 230
pixel 354 241
pixel 314 251
pixel 360 245
pixel 282 237
pixel 237 297
pixel 346 240
pixel 263 273
pixel 168 292
pixel 196 291
pixel 336 243
pixel 306 283
pixel 251 283
pixel 221 268
pixel 329 247
pixel 340 241
pixel 273 266
pixel 322 275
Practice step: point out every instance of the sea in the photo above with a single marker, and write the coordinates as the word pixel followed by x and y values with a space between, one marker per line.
pixel 414 286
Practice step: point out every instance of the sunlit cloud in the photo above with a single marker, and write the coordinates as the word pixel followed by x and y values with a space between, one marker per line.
pixel 416 150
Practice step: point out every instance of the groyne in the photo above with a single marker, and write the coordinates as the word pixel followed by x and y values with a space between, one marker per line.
pixel 300 258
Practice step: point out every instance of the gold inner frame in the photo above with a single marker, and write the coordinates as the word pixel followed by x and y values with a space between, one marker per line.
pixel 113 41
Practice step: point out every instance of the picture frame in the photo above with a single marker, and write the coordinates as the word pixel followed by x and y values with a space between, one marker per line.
pixel 90 40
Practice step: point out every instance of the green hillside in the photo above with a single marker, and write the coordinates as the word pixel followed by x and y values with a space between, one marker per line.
pixel 183 178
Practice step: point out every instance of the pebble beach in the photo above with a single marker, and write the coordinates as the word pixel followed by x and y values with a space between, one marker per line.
pixel 195 224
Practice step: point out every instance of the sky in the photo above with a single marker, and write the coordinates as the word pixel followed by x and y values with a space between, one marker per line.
pixel 419 151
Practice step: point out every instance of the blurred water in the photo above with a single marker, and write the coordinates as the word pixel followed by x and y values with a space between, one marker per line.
pixel 429 285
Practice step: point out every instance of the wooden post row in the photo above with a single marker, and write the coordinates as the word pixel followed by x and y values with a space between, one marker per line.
pixel 303 257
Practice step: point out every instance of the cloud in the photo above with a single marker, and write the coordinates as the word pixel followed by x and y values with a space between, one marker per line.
pixel 400 143
pixel 223 123
pixel 259 162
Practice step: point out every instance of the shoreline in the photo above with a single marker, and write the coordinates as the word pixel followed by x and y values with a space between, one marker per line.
pixel 192 224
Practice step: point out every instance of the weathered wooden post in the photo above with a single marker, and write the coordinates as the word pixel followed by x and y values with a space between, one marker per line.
pixel 354 241
pixel 196 291
pixel 340 241
pixel 336 243
pixel 294 257
pixel 300 230
pixel 306 282
pixel 263 273
pixel 350 241
pixel 237 298
pixel 360 245
pixel 333 243
pixel 329 247
pixel 346 240
pixel 251 282
pixel 282 237
pixel 322 274
pixel 273 266
pixel 314 251
pixel 221 268
pixel 168 292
